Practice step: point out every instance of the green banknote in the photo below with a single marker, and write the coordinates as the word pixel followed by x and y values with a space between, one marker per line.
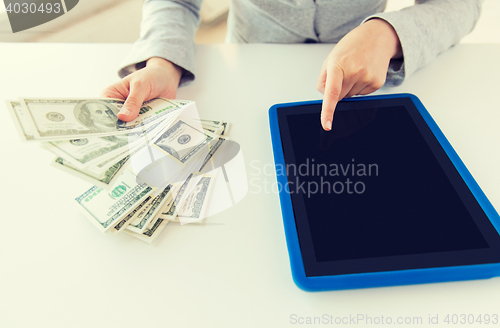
pixel 106 208
pixel 63 119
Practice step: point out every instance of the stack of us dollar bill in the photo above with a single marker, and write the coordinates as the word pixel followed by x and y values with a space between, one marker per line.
pixel 145 173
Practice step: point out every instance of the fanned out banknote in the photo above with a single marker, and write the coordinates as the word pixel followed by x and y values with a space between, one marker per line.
pixel 66 119
pixel 91 143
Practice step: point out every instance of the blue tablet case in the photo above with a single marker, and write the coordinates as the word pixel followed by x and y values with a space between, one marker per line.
pixel 387 278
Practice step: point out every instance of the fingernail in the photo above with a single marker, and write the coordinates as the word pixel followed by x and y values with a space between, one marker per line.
pixel 328 125
pixel 124 111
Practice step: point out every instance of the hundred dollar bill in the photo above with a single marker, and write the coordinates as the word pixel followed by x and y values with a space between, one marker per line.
pixel 103 180
pixel 120 226
pixel 193 208
pixel 85 152
pixel 140 223
pixel 214 147
pixel 211 122
pixel 139 215
pixel 224 126
pixel 180 194
pixel 103 173
pixel 21 118
pixel 156 226
pixel 173 192
pixel 183 192
pixel 152 231
pixel 214 130
pixel 115 156
pixel 99 168
pixel 215 127
pixel 165 211
pixel 105 208
pixel 182 141
pixel 98 151
pixel 61 119
pixel 133 149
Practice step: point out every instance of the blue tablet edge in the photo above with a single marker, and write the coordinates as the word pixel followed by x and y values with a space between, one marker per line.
pixel 388 278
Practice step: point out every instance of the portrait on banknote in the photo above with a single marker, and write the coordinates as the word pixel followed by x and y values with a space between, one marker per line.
pixel 97 115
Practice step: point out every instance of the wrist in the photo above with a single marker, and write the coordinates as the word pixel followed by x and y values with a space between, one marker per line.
pixel 168 65
pixel 391 39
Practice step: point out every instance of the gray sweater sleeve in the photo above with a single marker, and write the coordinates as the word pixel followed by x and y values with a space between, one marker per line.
pixel 424 30
pixel 427 29
pixel 167 31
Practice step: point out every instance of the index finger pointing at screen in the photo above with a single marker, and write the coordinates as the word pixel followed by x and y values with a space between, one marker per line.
pixel 333 89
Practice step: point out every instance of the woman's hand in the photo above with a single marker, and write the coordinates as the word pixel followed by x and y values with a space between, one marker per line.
pixel 160 78
pixel 357 65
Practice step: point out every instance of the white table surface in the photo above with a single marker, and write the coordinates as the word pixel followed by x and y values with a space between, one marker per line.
pixel 57 270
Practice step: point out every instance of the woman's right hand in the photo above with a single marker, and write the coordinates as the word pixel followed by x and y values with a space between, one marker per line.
pixel 160 78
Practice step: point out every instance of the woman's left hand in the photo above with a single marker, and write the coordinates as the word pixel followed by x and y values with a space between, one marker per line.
pixel 357 65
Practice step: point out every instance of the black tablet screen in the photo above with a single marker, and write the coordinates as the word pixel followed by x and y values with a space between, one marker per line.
pixel 378 192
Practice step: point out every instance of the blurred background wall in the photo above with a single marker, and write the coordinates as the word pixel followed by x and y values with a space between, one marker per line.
pixel 117 21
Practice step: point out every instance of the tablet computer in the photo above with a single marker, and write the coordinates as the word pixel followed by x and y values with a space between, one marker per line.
pixel 382 199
